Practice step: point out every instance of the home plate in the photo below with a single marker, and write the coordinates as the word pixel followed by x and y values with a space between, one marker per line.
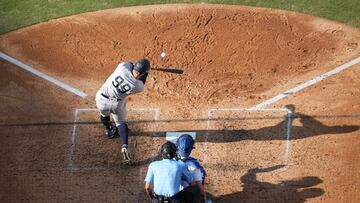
pixel 173 136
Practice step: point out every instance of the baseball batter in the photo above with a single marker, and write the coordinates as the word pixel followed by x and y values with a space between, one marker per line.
pixel 127 79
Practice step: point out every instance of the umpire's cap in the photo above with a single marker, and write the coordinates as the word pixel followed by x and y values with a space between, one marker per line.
pixel 142 66
pixel 168 150
pixel 185 144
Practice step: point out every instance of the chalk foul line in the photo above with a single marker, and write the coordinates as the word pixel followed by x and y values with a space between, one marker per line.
pixel 307 84
pixel 42 75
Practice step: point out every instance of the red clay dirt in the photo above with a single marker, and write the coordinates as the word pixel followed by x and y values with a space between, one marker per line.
pixel 232 57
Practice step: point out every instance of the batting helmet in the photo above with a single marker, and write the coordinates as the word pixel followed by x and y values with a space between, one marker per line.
pixel 168 150
pixel 142 66
pixel 185 144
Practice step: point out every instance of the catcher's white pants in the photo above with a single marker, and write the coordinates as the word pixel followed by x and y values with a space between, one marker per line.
pixel 116 108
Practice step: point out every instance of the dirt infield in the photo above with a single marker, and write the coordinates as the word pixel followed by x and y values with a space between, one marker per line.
pixel 232 57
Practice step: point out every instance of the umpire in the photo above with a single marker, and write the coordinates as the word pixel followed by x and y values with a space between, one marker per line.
pixel 163 179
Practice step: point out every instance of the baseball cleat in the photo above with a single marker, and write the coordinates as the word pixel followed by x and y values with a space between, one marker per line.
pixel 111 132
pixel 126 154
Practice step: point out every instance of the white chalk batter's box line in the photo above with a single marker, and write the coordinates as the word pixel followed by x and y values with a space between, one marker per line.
pixel 71 165
pixel 289 113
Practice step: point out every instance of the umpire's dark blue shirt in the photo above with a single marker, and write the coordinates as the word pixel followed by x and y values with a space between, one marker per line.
pixel 166 176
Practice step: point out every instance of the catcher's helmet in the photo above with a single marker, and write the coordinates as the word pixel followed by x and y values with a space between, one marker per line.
pixel 142 66
pixel 185 144
pixel 168 150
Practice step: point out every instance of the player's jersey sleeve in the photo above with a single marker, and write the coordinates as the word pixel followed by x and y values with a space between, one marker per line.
pixel 196 172
pixel 186 174
pixel 150 174
pixel 139 87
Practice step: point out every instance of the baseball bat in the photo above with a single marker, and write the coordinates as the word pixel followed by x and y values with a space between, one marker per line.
pixel 169 70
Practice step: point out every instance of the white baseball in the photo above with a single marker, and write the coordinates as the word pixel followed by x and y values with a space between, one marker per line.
pixel 162 54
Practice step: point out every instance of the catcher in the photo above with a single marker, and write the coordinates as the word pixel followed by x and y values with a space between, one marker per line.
pixel 185 144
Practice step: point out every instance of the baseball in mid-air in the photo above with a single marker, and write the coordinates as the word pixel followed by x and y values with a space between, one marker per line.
pixel 163 54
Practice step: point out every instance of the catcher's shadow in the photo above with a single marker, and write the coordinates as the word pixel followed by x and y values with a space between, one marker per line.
pixel 296 190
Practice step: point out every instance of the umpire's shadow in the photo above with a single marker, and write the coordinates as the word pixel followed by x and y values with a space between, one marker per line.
pixel 296 190
pixel 310 127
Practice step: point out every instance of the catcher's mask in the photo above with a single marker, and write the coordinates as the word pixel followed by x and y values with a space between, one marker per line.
pixel 142 66
pixel 185 144
pixel 168 150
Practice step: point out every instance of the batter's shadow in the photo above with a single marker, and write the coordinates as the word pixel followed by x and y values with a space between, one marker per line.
pixel 295 190
pixel 310 127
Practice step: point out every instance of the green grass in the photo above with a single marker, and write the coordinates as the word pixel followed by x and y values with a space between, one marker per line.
pixel 15 14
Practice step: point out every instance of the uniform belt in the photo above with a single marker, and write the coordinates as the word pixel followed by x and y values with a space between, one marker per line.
pixel 162 198
pixel 107 97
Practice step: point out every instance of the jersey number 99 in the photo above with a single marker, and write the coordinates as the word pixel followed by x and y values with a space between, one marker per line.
pixel 120 85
